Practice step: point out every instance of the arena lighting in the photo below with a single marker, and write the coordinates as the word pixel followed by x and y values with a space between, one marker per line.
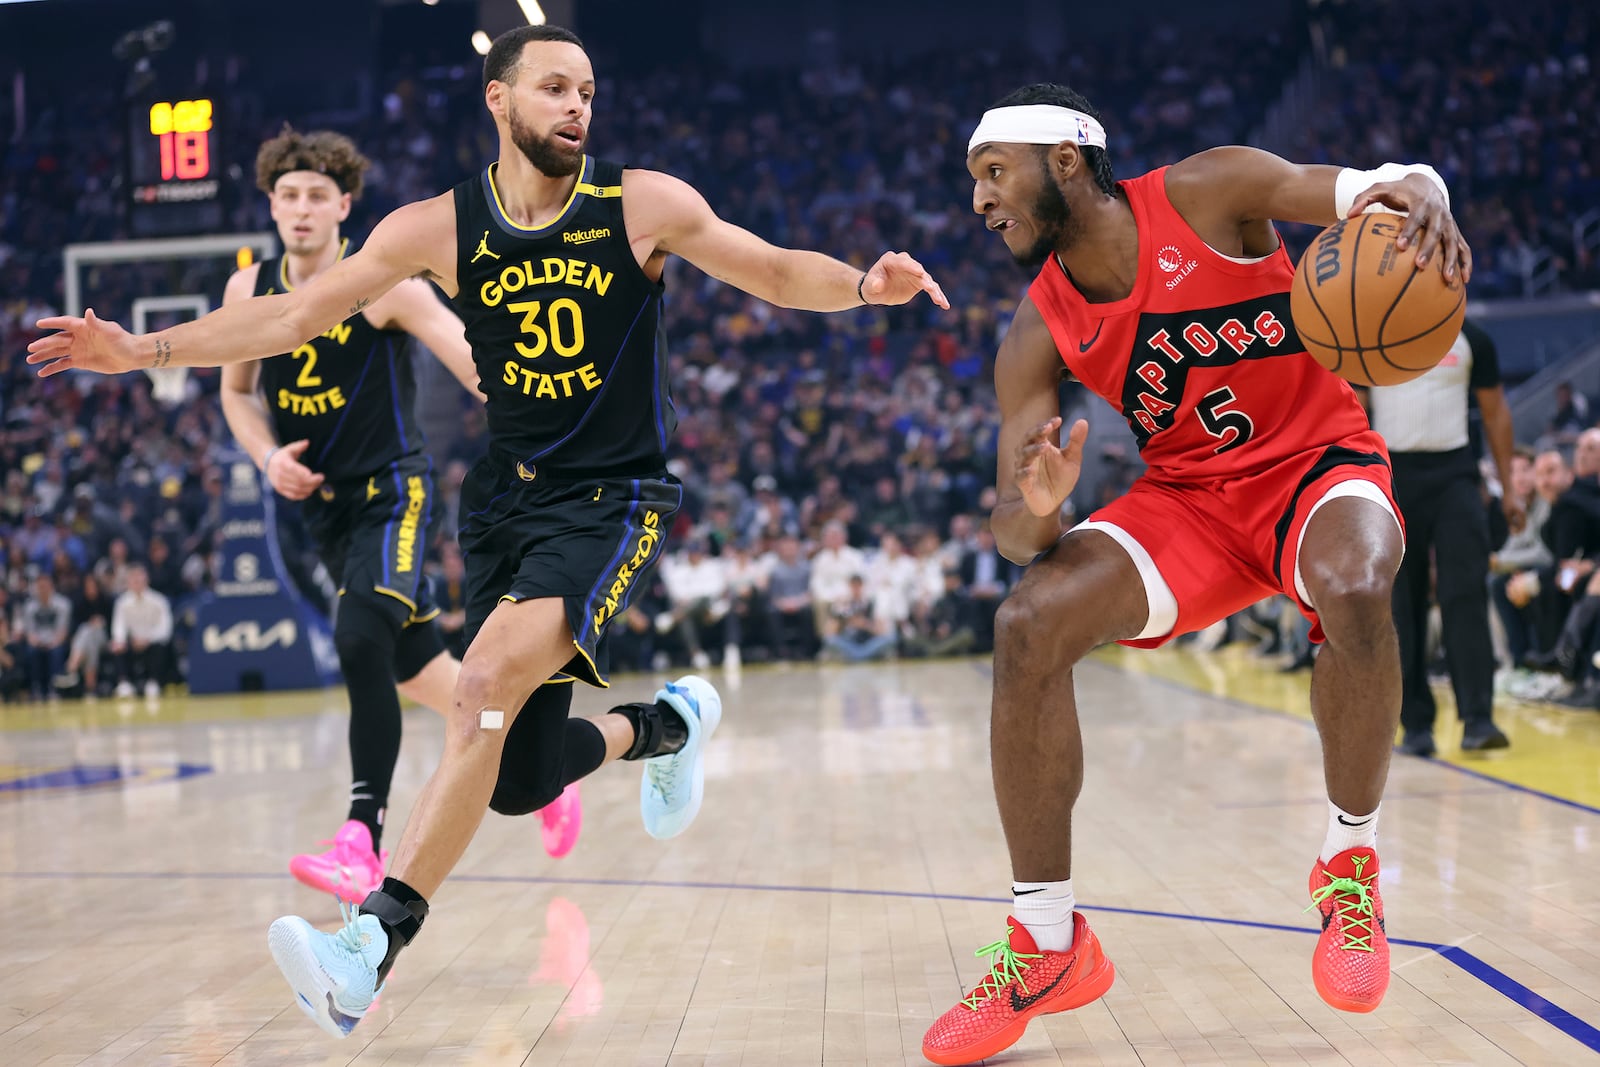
pixel 481 42
pixel 532 12
pixel 431 3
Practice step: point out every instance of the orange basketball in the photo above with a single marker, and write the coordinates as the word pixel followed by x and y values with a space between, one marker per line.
pixel 1365 311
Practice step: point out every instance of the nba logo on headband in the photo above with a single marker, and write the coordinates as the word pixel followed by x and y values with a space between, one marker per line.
pixel 1037 124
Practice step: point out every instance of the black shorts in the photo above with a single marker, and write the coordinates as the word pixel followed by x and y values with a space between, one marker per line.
pixel 373 536
pixel 592 542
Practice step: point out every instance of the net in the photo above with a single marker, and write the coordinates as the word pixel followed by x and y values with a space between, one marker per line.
pixel 168 279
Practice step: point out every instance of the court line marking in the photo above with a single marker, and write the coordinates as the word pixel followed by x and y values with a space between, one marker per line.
pixel 1579 1030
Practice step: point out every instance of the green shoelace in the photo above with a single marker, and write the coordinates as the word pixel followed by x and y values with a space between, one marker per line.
pixel 1356 912
pixel 350 936
pixel 1007 967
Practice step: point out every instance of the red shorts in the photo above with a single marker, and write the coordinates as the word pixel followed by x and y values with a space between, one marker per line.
pixel 1211 549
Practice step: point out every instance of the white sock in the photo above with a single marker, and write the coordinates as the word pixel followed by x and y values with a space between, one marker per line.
pixel 1348 831
pixel 1045 911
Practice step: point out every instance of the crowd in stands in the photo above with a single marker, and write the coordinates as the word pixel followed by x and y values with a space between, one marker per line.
pixel 1501 102
pixel 838 468
pixel 1545 586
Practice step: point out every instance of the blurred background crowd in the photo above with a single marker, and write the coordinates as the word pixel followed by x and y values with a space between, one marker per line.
pixel 839 468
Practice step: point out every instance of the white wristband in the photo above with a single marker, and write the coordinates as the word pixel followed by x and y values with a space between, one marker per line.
pixel 1352 183
pixel 266 460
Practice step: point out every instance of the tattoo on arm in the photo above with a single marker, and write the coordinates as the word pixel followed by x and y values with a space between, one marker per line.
pixel 360 304
pixel 163 353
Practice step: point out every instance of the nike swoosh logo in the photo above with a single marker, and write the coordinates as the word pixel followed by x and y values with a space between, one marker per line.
pixel 1025 892
pixel 1359 822
pixel 1019 1003
pixel 1084 346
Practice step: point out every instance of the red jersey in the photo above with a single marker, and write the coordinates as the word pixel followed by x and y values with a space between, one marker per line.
pixel 1201 358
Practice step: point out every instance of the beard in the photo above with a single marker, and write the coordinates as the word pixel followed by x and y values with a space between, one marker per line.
pixel 553 158
pixel 1053 220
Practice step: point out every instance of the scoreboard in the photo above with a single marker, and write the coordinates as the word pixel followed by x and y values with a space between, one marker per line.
pixel 174 168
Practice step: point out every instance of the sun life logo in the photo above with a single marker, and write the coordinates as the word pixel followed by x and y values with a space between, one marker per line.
pixel 1170 259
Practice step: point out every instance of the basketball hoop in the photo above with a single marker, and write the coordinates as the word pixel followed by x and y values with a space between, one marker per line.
pixel 169 386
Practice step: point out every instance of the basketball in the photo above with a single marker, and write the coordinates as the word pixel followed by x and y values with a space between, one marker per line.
pixel 1364 310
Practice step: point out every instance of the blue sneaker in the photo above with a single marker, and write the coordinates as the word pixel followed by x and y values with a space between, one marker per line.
pixel 334 976
pixel 673 786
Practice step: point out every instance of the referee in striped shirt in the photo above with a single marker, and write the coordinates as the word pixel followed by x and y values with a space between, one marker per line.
pixel 1437 486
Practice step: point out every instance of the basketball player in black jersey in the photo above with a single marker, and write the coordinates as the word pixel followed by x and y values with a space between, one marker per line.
pixel 333 423
pixel 555 262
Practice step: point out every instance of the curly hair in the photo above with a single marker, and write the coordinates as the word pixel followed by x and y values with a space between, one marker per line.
pixel 322 151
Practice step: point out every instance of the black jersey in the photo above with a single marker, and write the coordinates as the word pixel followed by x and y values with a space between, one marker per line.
pixel 351 392
pixel 565 330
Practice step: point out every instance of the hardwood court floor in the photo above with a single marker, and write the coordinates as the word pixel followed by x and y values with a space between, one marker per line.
pixel 826 905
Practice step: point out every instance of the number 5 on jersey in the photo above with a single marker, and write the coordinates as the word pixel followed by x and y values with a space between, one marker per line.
pixel 1233 428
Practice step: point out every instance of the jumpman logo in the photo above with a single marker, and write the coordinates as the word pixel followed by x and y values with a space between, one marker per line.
pixel 372 488
pixel 483 249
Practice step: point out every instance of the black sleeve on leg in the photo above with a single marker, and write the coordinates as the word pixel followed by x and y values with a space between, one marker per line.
pixel 417 646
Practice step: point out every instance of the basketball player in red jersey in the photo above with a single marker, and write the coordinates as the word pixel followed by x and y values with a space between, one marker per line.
pixel 1168 295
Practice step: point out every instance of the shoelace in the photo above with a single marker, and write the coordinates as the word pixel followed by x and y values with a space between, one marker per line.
pixel 1357 913
pixel 349 937
pixel 663 777
pixel 1006 968
pixel 663 774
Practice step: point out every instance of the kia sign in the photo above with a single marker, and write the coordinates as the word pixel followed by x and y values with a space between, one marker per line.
pixel 254 629
pixel 248 636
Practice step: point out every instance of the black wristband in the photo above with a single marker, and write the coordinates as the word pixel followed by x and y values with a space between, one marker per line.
pixel 862 295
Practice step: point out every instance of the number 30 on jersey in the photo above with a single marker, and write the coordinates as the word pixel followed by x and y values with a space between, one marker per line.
pixel 554 327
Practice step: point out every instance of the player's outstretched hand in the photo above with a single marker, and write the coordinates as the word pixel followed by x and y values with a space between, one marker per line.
pixel 1045 472
pixel 897 278
pixel 88 343
pixel 288 475
pixel 1428 213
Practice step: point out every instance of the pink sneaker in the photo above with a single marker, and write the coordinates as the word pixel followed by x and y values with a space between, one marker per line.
pixel 562 819
pixel 348 870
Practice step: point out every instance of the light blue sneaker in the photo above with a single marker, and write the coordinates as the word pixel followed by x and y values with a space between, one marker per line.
pixel 673 786
pixel 334 976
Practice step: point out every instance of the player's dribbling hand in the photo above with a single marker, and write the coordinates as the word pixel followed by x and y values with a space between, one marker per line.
pixel 896 278
pixel 288 475
pixel 1046 473
pixel 1427 211
pixel 87 343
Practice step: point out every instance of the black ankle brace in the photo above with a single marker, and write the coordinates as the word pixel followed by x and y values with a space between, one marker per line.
pixel 658 729
pixel 400 909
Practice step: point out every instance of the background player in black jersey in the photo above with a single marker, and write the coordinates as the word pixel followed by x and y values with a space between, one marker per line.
pixel 553 258
pixel 333 423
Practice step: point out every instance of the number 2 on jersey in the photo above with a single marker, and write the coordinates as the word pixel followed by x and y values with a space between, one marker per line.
pixel 1233 428
pixel 566 337
pixel 307 380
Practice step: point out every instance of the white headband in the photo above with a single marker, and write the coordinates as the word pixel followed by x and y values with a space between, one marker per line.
pixel 1037 124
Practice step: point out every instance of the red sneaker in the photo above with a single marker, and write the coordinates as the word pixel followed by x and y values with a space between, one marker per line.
pixel 1351 965
pixel 1022 982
